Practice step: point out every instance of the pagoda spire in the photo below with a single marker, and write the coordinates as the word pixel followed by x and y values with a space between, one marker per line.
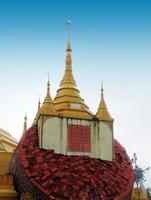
pixel 68 77
pixel 37 114
pixel 48 97
pixel 68 101
pixel 68 57
pixel 47 107
pixel 39 103
pixel 102 113
pixel 25 123
pixel 102 103
pixel 68 49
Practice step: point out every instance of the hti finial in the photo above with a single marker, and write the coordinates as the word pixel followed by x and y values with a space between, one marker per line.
pixel 68 29
pixel 25 117
pixel 102 90
pixel 48 84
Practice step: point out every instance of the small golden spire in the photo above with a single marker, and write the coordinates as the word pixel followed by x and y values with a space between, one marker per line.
pixel 48 97
pixel 37 114
pixel 102 113
pixel 102 103
pixel 25 123
pixel 39 103
pixel 48 106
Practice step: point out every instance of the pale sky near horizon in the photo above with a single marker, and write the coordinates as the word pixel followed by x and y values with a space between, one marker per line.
pixel 111 41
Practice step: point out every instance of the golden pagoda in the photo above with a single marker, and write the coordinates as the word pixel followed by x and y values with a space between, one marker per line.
pixel 70 153
pixel 58 119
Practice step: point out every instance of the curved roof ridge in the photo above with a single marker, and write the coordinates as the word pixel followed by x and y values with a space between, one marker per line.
pixel 7 134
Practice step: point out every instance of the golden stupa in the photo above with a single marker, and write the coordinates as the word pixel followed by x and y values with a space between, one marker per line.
pixel 7 146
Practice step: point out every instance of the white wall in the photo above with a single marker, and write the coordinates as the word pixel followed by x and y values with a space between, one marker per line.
pixel 49 132
pixel 53 135
pixel 106 140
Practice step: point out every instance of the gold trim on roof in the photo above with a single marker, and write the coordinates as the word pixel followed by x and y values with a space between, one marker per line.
pixel 7 142
pixel 7 135
pixel 102 113
pixel 68 94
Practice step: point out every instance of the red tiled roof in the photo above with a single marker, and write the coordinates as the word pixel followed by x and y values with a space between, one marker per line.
pixel 80 177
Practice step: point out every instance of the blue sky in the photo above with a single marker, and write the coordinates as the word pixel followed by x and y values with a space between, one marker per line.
pixel 111 41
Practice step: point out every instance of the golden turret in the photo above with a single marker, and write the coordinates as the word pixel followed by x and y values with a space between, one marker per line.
pixel 47 107
pixel 102 113
pixel 25 123
pixel 68 102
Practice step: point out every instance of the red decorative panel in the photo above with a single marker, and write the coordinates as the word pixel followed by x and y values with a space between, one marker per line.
pixel 79 138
